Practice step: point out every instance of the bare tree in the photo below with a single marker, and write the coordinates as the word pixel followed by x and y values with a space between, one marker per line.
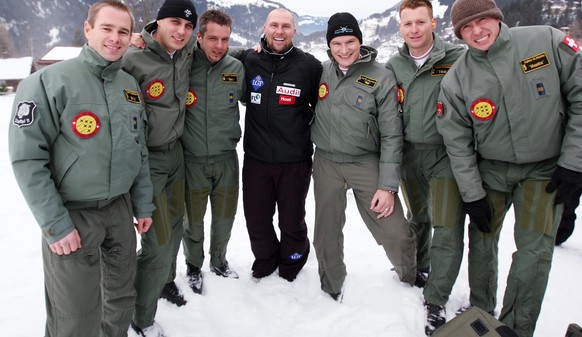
pixel 7 47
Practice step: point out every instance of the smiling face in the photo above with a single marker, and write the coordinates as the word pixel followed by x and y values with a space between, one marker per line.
pixel 214 42
pixel 173 33
pixel 345 50
pixel 416 27
pixel 279 30
pixel 481 33
pixel 109 34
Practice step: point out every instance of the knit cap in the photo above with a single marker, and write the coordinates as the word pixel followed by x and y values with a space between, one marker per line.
pixel 178 9
pixel 341 24
pixel 465 11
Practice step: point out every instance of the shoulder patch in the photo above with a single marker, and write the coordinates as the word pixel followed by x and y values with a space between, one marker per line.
pixel 24 115
pixel 570 42
pixel 367 81
pixel 535 62
pixel 230 77
pixel 191 98
pixel 323 91
pixel 440 69
pixel 156 89
pixel 400 94
pixel 86 124
pixel 440 111
pixel 483 109
pixel 131 96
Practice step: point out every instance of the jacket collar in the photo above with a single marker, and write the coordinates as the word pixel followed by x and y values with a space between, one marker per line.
pixel 436 54
pixel 97 64
pixel 265 49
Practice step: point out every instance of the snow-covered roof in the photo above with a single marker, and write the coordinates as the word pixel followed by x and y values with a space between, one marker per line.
pixel 61 53
pixel 15 68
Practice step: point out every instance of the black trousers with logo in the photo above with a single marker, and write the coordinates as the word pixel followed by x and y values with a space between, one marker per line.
pixel 283 187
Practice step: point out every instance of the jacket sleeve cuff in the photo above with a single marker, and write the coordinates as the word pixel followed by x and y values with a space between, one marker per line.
pixel 58 230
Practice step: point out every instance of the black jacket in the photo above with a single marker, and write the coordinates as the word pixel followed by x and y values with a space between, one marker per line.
pixel 281 93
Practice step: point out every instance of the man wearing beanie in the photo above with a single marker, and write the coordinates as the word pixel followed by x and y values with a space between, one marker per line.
pixel 281 93
pixel 162 69
pixel 510 114
pixel 357 132
pixel 428 185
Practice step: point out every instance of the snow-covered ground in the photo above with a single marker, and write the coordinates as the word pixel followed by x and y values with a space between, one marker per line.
pixel 375 302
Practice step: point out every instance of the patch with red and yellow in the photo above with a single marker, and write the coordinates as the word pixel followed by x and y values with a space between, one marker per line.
pixel 483 109
pixel 400 94
pixel 323 91
pixel 191 98
pixel 156 89
pixel 440 111
pixel 86 124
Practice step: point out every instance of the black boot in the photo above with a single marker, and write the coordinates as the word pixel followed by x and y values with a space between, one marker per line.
pixel 172 294
pixel 194 278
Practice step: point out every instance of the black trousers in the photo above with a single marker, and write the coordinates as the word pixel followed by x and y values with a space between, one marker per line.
pixel 284 186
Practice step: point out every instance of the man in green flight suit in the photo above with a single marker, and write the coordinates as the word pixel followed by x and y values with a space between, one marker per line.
pixel 78 150
pixel 162 69
pixel 511 119
pixel 210 137
pixel 429 188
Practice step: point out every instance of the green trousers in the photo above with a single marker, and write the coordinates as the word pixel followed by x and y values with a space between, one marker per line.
pixel 331 181
pixel 217 178
pixel 430 192
pixel 90 292
pixel 536 222
pixel 435 213
pixel 160 244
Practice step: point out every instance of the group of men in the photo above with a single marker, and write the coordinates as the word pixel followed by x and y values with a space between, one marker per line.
pixel 106 139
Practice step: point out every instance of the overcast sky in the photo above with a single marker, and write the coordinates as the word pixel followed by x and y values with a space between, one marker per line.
pixel 360 9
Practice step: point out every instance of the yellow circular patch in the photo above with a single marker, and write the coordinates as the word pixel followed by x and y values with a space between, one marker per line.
pixel 323 91
pixel 483 109
pixel 400 95
pixel 86 124
pixel 191 98
pixel 156 89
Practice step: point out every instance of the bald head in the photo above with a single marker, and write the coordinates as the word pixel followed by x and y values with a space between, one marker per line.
pixel 279 30
pixel 280 12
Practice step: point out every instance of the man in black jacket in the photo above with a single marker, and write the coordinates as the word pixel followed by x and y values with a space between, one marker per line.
pixel 281 94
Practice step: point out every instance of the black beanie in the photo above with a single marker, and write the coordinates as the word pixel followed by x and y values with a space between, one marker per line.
pixel 342 24
pixel 183 9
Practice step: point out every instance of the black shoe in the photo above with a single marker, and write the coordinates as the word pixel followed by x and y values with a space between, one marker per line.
pixel 421 278
pixel 194 278
pixel 224 271
pixel 435 317
pixel 172 294
pixel 574 330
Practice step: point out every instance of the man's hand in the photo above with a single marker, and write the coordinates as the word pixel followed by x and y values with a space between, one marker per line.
pixel 383 203
pixel 137 41
pixel 143 224
pixel 567 182
pixel 480 214
pixel 67 245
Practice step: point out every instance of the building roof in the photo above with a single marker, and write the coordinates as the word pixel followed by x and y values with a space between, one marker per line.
pixel 61 53
pixel 15 68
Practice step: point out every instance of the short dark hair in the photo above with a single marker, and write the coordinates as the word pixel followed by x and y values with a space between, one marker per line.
pixel 414 4
pixel 96 7
pixel 216 16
